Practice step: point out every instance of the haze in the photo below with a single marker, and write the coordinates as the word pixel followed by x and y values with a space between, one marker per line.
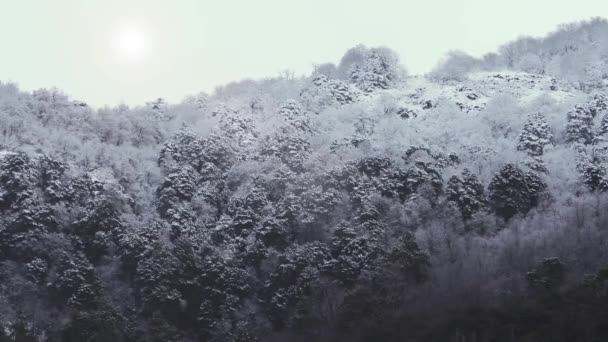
pixel 184 47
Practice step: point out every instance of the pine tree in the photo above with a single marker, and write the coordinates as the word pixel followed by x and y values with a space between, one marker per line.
pixel 293 282
pixel 18 178
pixel 580 126
pixel 467 193
pixel 99 229
pixel 372 226
pixel 535 135
pixel 291 149
pixel 52 173
pixel 513 191
pixel 210 157
pixel 239 127
pixel 603 129
pixel 174 196
pixel 324 92
pixel 184 148
pixel 273 233
pixel 424 173
pixel 76 282
pixel 597 104
pixel 375 73
pixel 295 116
pixel 351 254
pixel 408 258
pixel 591 170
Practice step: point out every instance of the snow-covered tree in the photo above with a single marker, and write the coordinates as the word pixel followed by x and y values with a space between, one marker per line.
pixel 580 126
pixel 513 191
pixel 294 115
pixel 351 254
pixel 375 73
pixel 323 93
pixel 467 193
pixel 603 129
pixel 591 169
pixel 535 136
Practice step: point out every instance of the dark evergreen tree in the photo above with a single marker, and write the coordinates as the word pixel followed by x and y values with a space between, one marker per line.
pixel 291 149
pixel 592 170
pixel 375 73
pixel 597 104
pixel 409 259
pixel 467 193
pixel 53 179
pixel 580 126
pixel 352 253
pixel 238 126
pixel 548 276
pixel 324 92
pixel 18 176
pixel 295 116
pixel 535 136
pixel 513 191
pixel 288 293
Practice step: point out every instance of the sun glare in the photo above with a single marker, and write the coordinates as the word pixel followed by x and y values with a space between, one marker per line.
pixel 130 43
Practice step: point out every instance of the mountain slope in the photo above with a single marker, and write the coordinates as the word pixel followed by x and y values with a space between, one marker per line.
pixel 360 205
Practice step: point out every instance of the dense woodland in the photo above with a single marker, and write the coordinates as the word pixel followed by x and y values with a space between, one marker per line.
pixel 353 204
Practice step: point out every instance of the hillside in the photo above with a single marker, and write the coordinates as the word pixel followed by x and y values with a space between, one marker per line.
pixel 358 203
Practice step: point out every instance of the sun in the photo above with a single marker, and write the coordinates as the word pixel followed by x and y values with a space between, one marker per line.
pixel 130 43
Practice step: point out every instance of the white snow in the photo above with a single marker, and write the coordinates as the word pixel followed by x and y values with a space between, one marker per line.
pixel 102 175
pixel 5 153
pixel 473 94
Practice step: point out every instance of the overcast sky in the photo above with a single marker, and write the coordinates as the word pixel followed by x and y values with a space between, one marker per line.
pixel 113 51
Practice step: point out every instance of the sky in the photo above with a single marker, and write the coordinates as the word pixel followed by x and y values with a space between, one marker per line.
pixel 108 52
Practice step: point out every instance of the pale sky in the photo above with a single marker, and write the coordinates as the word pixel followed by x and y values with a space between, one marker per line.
pixel 132 51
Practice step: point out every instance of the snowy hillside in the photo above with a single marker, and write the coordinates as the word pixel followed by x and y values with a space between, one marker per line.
pixel 357 203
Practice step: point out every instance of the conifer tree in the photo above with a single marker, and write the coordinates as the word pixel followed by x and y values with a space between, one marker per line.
pixel 535 135
pixel 467 193
pixel 579 128
pixel 375 73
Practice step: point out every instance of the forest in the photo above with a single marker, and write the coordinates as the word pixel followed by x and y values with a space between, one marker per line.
pixel 357 203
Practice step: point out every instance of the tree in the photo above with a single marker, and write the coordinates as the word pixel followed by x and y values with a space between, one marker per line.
pixel 580 126
pixel 591 170
pixel 184 148
pixel 422 173
pixel 535 136
pixel 513 191
pixel 351 254
pixel 408 258
pixel 291 286
pixel 238 126
pixel 18 176
pixel 323 93
pixel 76 283
pixel 548 276
pixel 99 229
pixel 159 109
pixel 294 115
pixel 178 187
pixel 467 193
pixel 53 179
pixel 597 104
pixel 603 125
pixel 375 73
pixel 291 149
